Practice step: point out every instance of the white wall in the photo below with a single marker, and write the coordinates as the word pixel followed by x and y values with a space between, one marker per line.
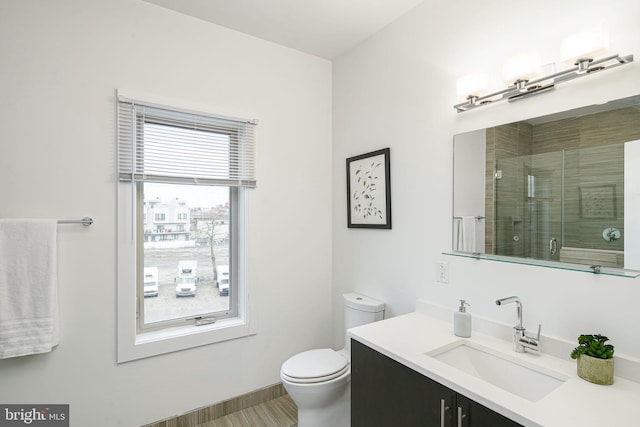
pixel 397 89
pixel 631 208
pixel 61 64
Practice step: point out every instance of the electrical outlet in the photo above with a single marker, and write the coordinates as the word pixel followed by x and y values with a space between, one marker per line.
pixel 442 272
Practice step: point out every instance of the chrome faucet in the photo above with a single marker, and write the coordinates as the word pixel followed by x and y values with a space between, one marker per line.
pixel 521 340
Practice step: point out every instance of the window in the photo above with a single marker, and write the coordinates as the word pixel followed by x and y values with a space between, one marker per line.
pixel 193 167
pixel 188 261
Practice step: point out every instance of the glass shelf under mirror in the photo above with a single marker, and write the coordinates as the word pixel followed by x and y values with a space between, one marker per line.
pixel 603 270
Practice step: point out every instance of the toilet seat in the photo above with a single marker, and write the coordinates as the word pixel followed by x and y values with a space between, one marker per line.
pixel 314 366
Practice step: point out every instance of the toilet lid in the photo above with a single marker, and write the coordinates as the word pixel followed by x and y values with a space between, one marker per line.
pixel 314 366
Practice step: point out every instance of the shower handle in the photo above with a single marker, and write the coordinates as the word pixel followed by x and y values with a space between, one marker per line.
pixel 553 246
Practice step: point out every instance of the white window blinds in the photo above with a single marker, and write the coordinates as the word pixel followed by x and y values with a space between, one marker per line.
pixel 160 144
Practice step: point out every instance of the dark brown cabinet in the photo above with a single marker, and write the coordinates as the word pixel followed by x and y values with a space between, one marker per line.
pixel 387 393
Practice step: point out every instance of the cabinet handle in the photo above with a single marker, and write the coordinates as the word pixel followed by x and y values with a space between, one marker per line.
pixel 443 409
pixel 461 416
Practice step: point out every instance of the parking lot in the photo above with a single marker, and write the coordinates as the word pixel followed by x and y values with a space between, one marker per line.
pixel 166 305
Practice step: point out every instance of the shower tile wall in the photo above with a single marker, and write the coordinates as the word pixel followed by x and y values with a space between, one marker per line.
pixel 593 168
pixel 597 167
pixel 505 145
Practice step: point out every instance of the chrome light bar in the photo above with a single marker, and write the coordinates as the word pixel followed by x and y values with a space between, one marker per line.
pixel 526 88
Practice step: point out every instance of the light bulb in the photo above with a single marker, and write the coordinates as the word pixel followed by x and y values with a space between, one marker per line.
pixel 522 67
pixel 475 84
pixel 585 45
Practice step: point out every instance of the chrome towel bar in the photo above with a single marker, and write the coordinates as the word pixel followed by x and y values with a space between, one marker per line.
pixel 477 217
pixel 86 221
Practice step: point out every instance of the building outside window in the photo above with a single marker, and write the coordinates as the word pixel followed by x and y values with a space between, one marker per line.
pixel 163 228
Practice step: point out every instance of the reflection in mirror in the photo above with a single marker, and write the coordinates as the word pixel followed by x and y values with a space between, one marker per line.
pixel 562 188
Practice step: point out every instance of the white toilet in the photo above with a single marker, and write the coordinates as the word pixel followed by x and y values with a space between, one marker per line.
pixel 318 380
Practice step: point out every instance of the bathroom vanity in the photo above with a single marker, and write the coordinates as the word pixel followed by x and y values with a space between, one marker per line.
pixel 387 393
pixel 412 370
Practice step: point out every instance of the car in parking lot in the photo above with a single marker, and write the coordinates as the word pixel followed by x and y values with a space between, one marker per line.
pixel 223 286
pixel 223 280
pixel 151 282
pixel 186 286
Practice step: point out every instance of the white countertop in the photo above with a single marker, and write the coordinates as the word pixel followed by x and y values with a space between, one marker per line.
pixel 576 402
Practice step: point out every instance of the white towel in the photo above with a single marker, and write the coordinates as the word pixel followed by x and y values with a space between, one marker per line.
pixel 468 234
pixel 28 287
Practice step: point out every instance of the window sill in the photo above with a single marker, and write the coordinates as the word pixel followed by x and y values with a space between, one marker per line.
pixel 181 338
pixel 177 332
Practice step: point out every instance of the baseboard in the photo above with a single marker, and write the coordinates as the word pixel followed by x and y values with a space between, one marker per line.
pixel 208 413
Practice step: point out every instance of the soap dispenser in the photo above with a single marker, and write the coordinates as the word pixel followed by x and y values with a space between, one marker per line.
pixel 462 321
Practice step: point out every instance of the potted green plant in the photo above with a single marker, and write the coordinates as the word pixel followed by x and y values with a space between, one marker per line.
pixel 595 359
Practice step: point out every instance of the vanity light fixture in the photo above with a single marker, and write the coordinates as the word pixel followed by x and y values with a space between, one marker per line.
pixel 521 72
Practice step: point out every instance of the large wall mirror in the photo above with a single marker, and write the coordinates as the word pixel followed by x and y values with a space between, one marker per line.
pixel 561 190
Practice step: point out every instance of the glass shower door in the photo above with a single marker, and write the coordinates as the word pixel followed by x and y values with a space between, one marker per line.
pixel 546 205
pixel 528 206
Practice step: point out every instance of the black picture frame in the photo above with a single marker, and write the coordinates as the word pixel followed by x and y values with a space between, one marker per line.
pixel 369 190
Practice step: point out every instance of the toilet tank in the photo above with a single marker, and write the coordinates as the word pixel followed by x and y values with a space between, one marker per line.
pixel 360 310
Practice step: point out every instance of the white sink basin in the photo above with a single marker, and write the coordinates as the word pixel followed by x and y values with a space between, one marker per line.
pixel 511 374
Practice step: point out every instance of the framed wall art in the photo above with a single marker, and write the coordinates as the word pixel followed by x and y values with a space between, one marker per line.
pixel 369 190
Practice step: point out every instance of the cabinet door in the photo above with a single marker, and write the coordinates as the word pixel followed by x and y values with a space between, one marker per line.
pixel 387 393
pixel 476 415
